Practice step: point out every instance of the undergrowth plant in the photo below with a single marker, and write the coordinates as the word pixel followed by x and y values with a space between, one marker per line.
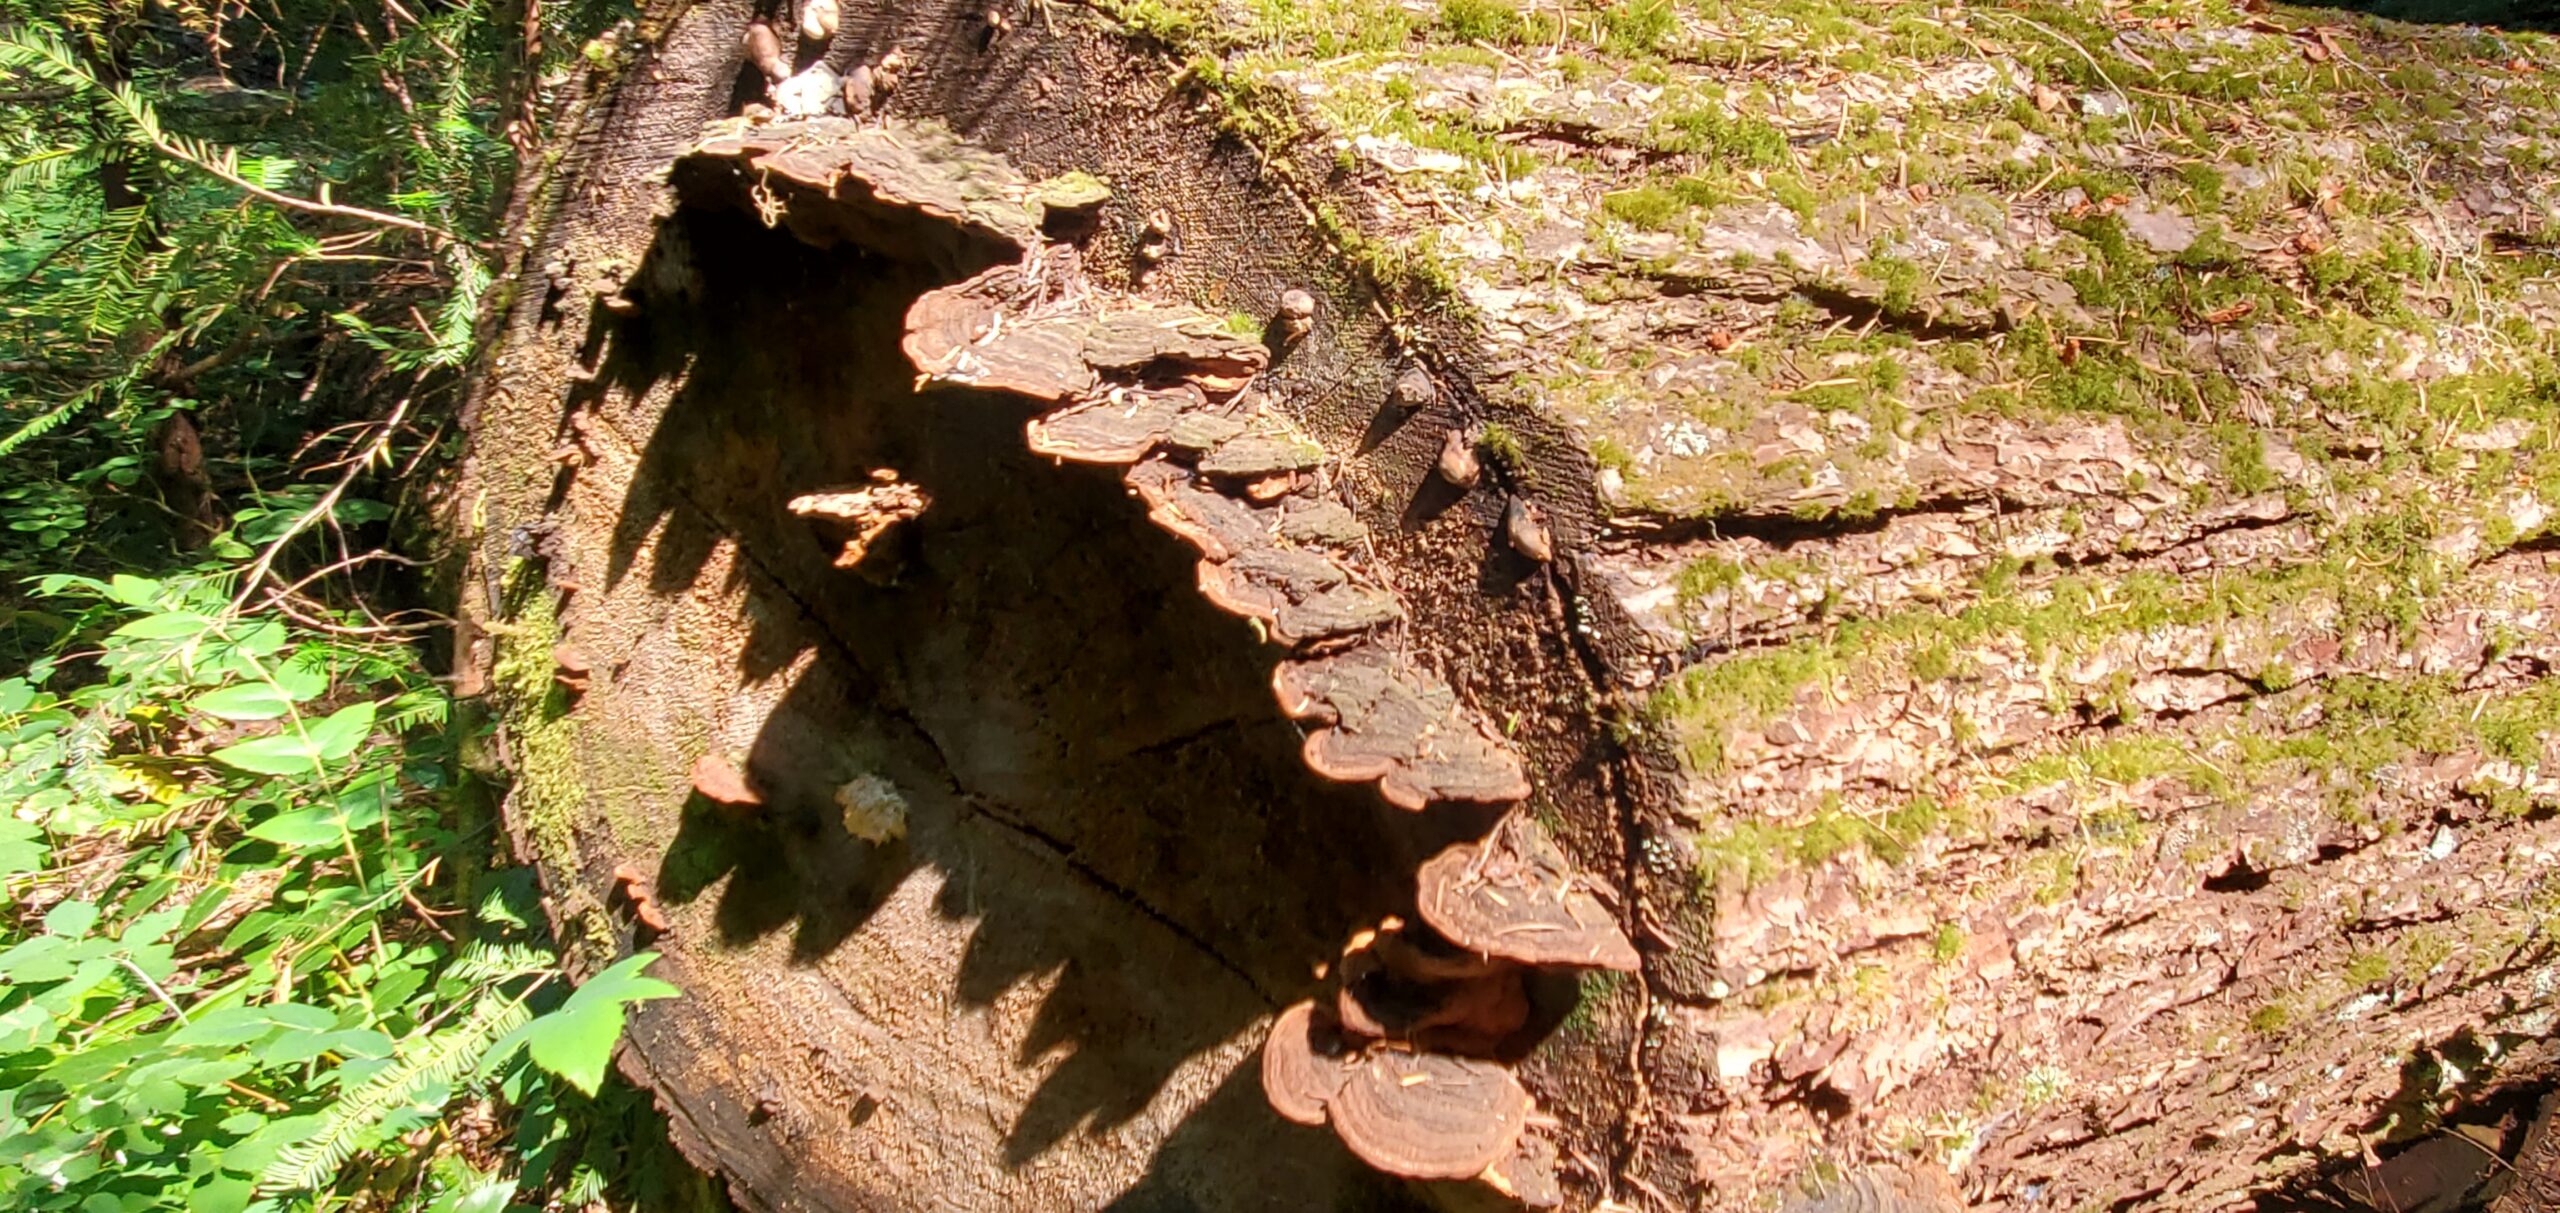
pixel 235 989
pixel 256 948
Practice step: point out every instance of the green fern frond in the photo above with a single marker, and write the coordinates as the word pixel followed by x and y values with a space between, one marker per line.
pixel 489 963
pixel 50 420
pixel 416 1064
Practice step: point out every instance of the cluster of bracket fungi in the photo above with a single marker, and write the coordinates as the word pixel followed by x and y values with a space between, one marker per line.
pixel 1410 1061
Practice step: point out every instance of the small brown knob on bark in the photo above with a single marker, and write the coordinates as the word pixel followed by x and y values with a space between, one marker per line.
pixel 764 49
pixel 1297 314
pixel 818 20
pixel 1458 462
pixel 1526 526
pixel 1415 390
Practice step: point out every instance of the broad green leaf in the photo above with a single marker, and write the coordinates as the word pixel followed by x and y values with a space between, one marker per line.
pixel 576 1041
pixel 168 625
pixel 345 729
pixel 220 1194
pixel 302 828
pixel 248 701
pixel 22 847
pixel 71 919
pixel 489 1196
pixel 133 591
pixel 277 754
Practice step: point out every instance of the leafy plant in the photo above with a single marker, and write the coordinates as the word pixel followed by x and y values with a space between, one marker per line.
pixel 234 987
pixel 253 950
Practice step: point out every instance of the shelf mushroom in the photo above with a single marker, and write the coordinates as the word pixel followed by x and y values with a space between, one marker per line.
pixel 1513 896
pixel 1429 1115
pixel 1304 1063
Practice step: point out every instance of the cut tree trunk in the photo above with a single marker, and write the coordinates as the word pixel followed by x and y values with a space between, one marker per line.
pixel 883 559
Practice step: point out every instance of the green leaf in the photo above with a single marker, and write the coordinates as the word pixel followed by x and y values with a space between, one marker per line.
pixel 248 701
pixel 306 753
pixel 343 731
pixel 279 754
pixel 576 1041
pixel 22 847
pixel 133 591
pixel 301 828
pixel 71 919
pixel 168 625
pixel 220 1194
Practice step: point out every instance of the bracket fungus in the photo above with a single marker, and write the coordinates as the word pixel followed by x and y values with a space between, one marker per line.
pixel 858 517
pixel 1385 720
pixel 1429 1115
pixel 1304 1063
pixel 720 781
pixel 1515 896
pixel 913 189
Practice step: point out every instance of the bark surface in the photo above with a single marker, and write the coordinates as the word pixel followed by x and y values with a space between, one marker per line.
pixel 2043 654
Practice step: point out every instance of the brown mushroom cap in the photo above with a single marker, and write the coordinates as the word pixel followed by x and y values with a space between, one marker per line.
pixel 719 781
pixel 1391 722
pixel 1514 896
pixel 1297 305
pixel 1471 1015
pixel 1303 1065
pixel 1120 426
pixel 764 49
pixel 1429 1116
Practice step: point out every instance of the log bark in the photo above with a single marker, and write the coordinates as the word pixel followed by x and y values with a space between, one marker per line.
pixel 2010 805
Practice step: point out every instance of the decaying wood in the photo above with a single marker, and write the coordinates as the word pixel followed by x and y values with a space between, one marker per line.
pixel 1969 792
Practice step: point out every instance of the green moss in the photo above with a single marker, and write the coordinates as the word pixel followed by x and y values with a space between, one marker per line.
pixel 2365 968
pixel 1481 20
pixel 1504 445
pixel 1948 944
pixel 1646 206
pixel 549 793
pixel 1638 27
pixel 1710 131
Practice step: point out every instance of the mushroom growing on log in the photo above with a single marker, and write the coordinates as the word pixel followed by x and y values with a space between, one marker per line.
pixel 818 19
pixel 1297 315
pixel 1516 897
pixel 1458 463
pixel 1304 1064
pixel 1429 1115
